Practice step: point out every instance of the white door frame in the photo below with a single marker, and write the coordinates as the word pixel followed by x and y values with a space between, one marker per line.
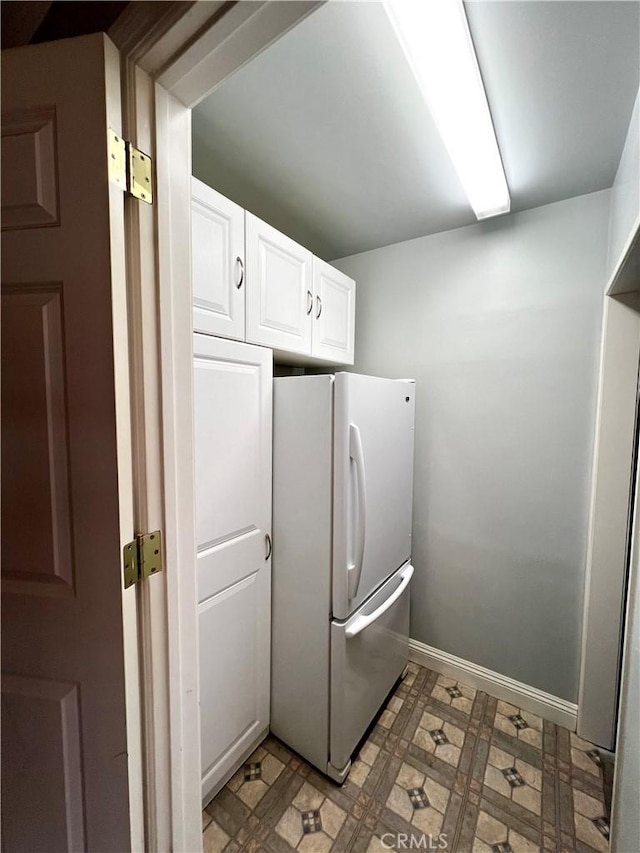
pixel 610 520
pixel 608 552
pixel 173 56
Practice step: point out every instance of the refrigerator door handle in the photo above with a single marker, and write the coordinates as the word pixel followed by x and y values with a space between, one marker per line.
pixel 361 622
pixel 354 569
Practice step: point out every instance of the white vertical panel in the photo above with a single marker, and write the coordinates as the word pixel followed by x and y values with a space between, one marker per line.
pixel 334 314
pixel 280 295
pixel 233 451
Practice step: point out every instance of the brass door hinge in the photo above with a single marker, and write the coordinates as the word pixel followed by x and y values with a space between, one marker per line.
pixel 142 557
pixel 130 169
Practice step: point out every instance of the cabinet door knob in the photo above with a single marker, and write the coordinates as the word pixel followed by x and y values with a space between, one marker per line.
pixel 240 267
pixel 309 302
pixel 319 307
pixel 267 539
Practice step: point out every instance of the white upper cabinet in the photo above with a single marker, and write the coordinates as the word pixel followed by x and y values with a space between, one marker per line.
pixel 280 297
pixel 333 314
pixel 217 252
pixel 252 283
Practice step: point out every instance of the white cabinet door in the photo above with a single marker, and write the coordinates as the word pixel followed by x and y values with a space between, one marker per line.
pixel 280 297
pixel 217 258
pixel 333 314
pixel 233 426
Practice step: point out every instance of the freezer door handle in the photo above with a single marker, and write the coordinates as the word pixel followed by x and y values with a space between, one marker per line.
pixel 354 569
pixel 353 628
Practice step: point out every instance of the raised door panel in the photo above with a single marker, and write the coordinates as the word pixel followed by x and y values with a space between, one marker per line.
pixel 233 452
pixel 42 763
pixel 217 259
pixel 234 631
pixel 333 314
pixel 36 557
pixel 279 297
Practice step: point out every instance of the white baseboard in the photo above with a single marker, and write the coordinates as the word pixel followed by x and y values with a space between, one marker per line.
pixel 521 695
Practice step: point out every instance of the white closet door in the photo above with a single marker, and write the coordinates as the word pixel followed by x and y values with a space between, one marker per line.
pixel 233 426
pixel 217 259
pixel 280 296
pixel 334 309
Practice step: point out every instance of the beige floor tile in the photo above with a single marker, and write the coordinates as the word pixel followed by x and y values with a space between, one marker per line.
pixel 376 845
pixel 586 805
pixel 289 826
pixel 394 704
pixel 423 739
pixel 532 736
pixel 467 692
pixel 504 725
pixel 369 753
pixel 257 755
pixel 308 798
pixel 332 817
pixel 359 772
pixel 387 719
pixel 527 797
pixel 578 743
pixel 588 833
pixel 450 753
pixel 454 734
pixel 441 695
pixel 530 774
pixel 445 681
pixel 462 704
pixel 214 839
pixel 489 829
pixel 429 821
pixel 315 842
pixel 236 780
pixel 398 801
pixel 520 844
pixel 507 709
pixel 429 722
pixel 252 792
pixel 582 760
pixel 335 818
pixel 409 777
pixel 500 759
pixel 271 768
pixel 437 794
pixel 495 780
pixel 533 719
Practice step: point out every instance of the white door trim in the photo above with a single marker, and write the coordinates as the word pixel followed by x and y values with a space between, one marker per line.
pixel 187 50
pixel 607 552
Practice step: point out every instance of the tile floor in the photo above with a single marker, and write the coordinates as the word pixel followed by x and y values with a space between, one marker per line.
pixel 445 767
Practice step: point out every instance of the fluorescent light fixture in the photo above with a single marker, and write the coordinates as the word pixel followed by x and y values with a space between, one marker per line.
pixel 435 37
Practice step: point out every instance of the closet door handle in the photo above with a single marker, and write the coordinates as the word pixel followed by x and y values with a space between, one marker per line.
pixel 240 267
pixel 309 302
pixel 319 306
pixel 267 539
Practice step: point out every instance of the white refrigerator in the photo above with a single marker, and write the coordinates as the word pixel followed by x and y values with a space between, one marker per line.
pixel 342 506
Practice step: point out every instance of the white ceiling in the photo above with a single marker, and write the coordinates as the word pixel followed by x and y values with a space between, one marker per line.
pixel 327 137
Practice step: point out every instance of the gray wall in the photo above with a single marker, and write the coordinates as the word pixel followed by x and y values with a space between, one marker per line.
pixel 499 323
